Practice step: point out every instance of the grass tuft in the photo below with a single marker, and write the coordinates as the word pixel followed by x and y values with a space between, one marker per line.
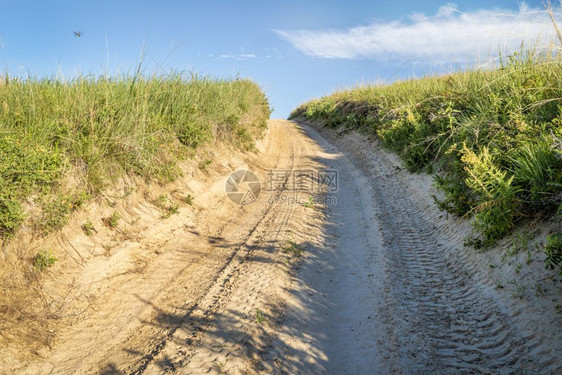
pixel 113 220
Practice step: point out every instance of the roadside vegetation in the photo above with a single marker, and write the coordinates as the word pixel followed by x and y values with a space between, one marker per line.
pixel 88 132
pixel 492 138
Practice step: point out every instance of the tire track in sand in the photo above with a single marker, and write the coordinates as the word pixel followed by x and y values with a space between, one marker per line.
pixel 447 318
pixel 222 333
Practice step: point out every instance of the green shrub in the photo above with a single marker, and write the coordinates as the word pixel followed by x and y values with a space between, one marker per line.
pixel 24 167
pixel 43 260
pixel 56 212
pixel 496 194
pixel 11 216
pixel 458 196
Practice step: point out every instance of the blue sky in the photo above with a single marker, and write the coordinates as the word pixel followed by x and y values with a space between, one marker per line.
pixel 296 50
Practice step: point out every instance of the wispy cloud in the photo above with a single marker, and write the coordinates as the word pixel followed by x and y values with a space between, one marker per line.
pixel 238 57
pixel 449 35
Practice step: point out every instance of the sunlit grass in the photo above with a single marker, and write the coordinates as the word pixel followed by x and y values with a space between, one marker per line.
pixel 95 130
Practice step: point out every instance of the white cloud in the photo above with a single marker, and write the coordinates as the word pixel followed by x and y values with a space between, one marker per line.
pixel 238 57
pixel 449 35
pixel 447 10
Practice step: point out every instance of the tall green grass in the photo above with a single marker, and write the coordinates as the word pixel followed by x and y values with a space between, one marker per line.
pixel 491 137
pixel 90 131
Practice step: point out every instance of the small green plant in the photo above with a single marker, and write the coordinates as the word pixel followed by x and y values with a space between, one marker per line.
pixel 113 220
pixel 88 228
pixel 188 199
pixel 205 163
pixel 11 216
pixel 473 241
pixel 43 260
pixel 521 243
pixel 293 248
pixel 163 203
pixel 172 209
pixel 56 214
pixel 539 290
pixel 78 200
pixel 499 285
pixel 529 259
pixel 518 268
pixel 309 204
pixel 259 316
pixel 520 290
pixel 553 250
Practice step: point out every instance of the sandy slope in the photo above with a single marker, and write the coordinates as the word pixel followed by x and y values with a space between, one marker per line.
pixel 383 284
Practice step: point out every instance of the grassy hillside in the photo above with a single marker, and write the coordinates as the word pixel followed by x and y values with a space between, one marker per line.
pixel 61 142
pixel 492 138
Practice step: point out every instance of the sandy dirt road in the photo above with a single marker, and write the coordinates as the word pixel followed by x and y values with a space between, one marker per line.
pixel 367 279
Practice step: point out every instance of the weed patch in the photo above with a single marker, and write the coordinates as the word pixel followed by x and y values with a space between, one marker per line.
pixel 553 250
pixel 88 228
pixel 43 260
pixel 169 208
pixel 293 249
pixel 113 220
pixel 188 199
